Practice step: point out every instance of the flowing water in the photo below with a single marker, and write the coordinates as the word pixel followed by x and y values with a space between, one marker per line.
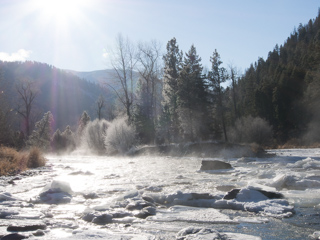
pixel 156 197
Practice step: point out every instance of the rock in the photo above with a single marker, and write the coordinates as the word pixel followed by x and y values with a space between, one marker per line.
pixel 225 188
pixel 14 236
pixel 88 217
pixel 267 194
pixel 103 218
pixel 39 233
pixel 90 195
pixel 26 227
pixel 148 199
pixel 97 217
pixel 146 212
pixel 271 195
pixel 138 205
pixel 214 165
pixel 55 196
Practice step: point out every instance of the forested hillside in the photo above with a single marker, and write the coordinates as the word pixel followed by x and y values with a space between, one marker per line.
pixel 284 88
pixel 55 90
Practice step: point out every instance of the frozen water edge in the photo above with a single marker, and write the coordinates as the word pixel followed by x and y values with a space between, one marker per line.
pixel 183 196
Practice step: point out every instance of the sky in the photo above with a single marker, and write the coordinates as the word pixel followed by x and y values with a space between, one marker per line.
pixel 78 34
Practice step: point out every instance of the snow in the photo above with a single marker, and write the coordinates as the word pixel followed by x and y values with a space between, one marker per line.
pixel 196 233
pixel 190 214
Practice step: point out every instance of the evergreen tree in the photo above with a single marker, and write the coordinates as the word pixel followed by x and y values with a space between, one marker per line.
pixel 41 136
pixel 216 77
pixel 192 98
pixel 172 66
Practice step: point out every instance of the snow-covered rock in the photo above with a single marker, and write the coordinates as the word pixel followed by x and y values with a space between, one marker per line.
pixel 55 192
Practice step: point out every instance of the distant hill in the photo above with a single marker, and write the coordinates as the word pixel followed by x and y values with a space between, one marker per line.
pixel 63 93
pixel 98 76
pixel 102 77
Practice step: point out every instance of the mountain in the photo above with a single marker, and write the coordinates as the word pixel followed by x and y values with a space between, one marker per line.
pixel 284 88
pixel 103 77
pixel 98 76
pixel 61 92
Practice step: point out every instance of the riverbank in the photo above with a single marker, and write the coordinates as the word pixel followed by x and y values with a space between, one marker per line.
pixel 13 162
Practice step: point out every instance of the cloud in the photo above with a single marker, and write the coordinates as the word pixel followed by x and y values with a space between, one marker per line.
pixel 20 55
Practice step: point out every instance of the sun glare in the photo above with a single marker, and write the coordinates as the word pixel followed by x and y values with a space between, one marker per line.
pixel 60 11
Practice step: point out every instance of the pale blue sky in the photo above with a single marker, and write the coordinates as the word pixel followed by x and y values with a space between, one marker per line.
pixel 77 36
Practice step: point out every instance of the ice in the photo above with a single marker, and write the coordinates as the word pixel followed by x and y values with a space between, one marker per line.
pixel 315 236
pixel 291 182
pixel 307 163
pixel 257 220
pixel 190 214
pixel 196 233
pixel 5 196
pixel 98 234
pixel 250 195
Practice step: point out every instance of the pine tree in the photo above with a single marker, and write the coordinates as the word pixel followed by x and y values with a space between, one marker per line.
pixel 217 76
pixel 41 136
pixel 192 98
pixel 172 66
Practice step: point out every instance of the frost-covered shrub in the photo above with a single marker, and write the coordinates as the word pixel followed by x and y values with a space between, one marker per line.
pixel 63 142
pixel 93 136
pixel 120 136
pixel 251 130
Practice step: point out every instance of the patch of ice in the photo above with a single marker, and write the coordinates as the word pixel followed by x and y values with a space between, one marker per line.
pixel 307 163
pixel 190 214
pixel 5 196
pixel 97 234
pixel 197 233
pixel 291 182
pixel 250 195
pixel 251 220
pixel 315 236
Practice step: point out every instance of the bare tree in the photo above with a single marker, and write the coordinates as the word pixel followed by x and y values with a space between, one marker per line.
pixel 101 103
pixel 123 62
pixel 27 93
pixel 150 69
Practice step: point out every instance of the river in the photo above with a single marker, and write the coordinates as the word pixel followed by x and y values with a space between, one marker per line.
pixel 98 197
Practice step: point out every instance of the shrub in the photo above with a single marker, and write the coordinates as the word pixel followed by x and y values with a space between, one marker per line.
pixel 251 130
pixel 35 158
pixel 120 137
pixel 11 162
pixel 93 135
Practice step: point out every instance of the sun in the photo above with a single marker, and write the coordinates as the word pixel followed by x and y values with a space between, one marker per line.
pixel 60 11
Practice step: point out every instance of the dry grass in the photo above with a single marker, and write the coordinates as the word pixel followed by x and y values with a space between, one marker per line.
pixel 13 162
pixel 35 158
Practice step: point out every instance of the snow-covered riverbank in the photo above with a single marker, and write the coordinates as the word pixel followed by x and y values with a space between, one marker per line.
pixel 90 197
